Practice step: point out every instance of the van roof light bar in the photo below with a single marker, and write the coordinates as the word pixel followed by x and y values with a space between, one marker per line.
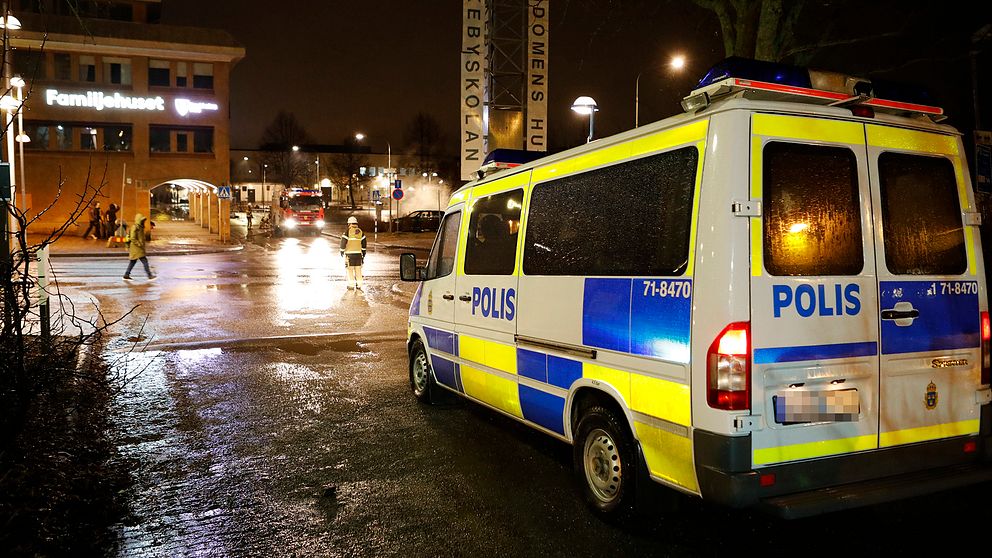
pixel 782 82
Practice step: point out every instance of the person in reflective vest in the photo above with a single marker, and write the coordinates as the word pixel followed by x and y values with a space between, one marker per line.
pixel 353 246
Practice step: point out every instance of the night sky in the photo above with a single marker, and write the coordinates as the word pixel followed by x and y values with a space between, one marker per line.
pixel 371 65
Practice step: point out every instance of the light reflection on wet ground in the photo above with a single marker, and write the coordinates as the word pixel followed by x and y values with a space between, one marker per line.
pixel 314 447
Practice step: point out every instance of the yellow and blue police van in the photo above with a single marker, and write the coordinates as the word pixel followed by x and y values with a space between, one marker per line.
pixel 776 299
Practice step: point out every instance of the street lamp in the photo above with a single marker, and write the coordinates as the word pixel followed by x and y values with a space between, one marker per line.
pixel 390 175
pixel 586 105
pixel 261 167
pixel 10 22
pixel 428 177
pixel 677 63
pixel 22 138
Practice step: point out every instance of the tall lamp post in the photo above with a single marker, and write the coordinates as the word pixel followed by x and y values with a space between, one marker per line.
pixel 261 167
pixel 22 138
pixel 677 63
pixel 429 176
pixel 390 175
pixel 587 105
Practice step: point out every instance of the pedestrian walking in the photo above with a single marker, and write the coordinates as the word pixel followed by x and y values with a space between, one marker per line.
pixel 353 246
pixel 136 248
pixel 110 224
pixel 249 217
pixel 94 222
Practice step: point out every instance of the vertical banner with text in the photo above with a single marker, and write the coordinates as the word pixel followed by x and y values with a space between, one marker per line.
pixel 473 150
pixel 537 75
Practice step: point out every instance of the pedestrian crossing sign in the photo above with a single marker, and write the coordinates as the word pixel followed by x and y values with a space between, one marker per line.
pixel 224 192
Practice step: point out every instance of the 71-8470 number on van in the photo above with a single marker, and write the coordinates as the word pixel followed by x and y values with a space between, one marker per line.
pixel 664 289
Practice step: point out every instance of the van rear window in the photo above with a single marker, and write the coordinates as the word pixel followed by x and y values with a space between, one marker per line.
pixel 921 215
pixel 627 219
pixel 812 214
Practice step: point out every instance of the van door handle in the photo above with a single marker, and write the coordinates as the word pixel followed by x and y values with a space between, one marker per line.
pixel 900 314
pixel 448 296
pixel 465 298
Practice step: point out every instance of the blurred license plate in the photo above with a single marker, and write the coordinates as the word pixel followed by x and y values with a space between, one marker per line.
pixel 817 406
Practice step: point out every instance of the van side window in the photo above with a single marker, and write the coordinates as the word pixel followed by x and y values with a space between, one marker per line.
pixel 921 215
pixel 492 234
pixel 812 210
pixel 442 260
pixel 627 219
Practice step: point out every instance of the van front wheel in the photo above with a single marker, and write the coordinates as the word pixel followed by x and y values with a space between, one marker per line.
pixel 603 454
pixel 421 379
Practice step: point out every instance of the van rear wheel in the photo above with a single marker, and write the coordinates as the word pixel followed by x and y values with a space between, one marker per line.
pixel 603 455
pixel 421 377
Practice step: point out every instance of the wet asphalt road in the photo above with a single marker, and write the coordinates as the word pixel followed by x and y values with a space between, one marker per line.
pixel 303 440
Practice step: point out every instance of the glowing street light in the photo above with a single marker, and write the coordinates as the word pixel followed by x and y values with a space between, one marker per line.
pixel 10 22
pixel 17 82
pixel 586 105
pixel 677 64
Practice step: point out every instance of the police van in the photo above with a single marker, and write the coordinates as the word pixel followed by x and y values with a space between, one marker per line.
pixel 775 300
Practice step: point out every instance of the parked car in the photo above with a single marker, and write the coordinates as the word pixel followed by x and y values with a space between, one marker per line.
pixel 421 220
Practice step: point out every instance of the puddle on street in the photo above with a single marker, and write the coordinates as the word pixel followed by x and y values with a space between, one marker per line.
pixel 311 348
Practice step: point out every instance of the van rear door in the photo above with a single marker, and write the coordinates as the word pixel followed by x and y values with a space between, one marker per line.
pixel 814 319
pixel 928 271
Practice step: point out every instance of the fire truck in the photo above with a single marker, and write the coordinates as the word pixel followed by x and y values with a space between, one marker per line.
pixel 298 209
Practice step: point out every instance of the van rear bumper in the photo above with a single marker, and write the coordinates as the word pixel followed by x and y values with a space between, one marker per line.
pixel 842 482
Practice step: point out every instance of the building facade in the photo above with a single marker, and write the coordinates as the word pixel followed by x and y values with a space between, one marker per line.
pixel 117 102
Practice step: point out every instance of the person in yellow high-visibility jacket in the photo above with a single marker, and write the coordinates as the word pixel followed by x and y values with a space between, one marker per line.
pixel 353 246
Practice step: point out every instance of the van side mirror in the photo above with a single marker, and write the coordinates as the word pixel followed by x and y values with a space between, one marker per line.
pixel 409 270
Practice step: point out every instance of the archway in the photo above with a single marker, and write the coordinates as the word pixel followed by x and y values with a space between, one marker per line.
pixel 170 200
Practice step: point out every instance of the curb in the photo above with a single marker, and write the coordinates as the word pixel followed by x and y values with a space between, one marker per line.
pixel 124 254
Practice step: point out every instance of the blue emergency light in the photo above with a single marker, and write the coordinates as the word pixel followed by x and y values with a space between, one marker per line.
pixel 784 82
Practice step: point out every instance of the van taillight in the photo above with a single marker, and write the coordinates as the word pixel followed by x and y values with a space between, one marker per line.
pixel 728 368
pixel 986 335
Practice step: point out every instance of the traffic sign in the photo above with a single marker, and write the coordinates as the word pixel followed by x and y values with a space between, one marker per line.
pixel 398 184
pixel 375 195
pixel 224 192
pixel 398 194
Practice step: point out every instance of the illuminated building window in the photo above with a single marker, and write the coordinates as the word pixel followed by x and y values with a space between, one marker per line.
pixel 187 139
pixel 87 68
pixel 117 138
pixel 203 75
pixel 181 74
pixel 117 70
pixel 203 140
pixel 159 74
pixel 38 133
pixel 87 138
pixel 63 137
pixel 159 139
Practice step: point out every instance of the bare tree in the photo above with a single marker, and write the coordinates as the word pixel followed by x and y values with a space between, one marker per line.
pixel 345 168
pixel 288 167
pixel 423 139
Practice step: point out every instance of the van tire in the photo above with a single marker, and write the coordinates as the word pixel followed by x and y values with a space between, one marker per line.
pixel 605 463
pixel 421 375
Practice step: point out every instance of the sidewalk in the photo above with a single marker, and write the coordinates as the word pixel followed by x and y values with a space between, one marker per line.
pixel 169 238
